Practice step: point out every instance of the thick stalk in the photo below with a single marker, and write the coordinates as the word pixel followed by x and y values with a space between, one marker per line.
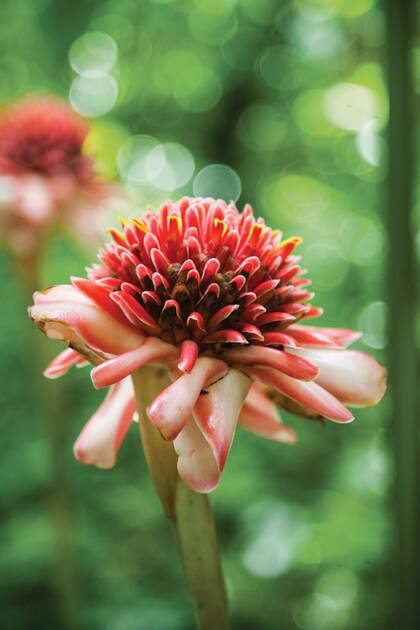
pixel 190 512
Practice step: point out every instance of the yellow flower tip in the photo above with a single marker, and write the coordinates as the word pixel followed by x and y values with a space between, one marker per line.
pixel 217 222
pixel 289 242
pixel 256 227
pixel 123 221
pixel 138 223
pixel 117 236
pixel 174 218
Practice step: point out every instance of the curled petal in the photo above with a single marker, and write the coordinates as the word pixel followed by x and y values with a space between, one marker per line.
pixel 102 436
pixel 222 314
pixel 100 296
pixel 277 359
pixel 66 314
pixel 188 355
pixel 259 416
pixel 353 377
pixel 277 317
pixel 225 336
pixel 308 394
pixel 62 363
pixel 323 337
pixel 153 350
pixel 196 463
pixel 134 311
pixel 216 412
pixel 171 410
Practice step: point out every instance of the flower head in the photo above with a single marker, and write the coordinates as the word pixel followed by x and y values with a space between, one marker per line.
pixel 43 136
pixel 44 173
pixel 214 296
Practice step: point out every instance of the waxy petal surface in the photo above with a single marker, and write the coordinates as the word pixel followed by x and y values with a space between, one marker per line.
pixel 173 407
pixel 216 412
pixel 196 463
pixel 353 377
pixel 152 351
pixel 102 436
pixel 269 357
pixel 259 416
pixel 66 314
pixel 308 394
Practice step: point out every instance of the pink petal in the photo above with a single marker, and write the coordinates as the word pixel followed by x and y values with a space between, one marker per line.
pixel 196 463
pixel 61 293
pixel 171 410
pixel 216 412
pixel 274 318
pixel 225 336
pixel 259 416
pixel 62 363
pixel 353 377
pixel 102 436
pixel 101 296
pixel 270 357
pixel 151 351
pixel 310 395
pixel 135 312
pixel 222 314
pixel 279 339
pixel 66 314
pixel 323 337
pixel 188 355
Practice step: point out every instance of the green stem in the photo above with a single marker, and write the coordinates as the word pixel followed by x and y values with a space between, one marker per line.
pixel 190 512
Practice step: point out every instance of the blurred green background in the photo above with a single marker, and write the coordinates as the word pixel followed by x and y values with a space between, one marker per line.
pixel 292 96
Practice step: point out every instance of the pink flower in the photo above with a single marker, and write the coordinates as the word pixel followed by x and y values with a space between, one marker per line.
pixel 45 174
pixel 214 296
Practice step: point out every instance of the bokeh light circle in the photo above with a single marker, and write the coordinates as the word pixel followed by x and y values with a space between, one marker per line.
pixel 271 66
pixel 169 166
pixel 202 91
pixel 93 54
pixel 218 181
pixel 93 96
pixel 133 156
pixel 350 106
pixel 372 322
pixel 262 128
pixel 213 28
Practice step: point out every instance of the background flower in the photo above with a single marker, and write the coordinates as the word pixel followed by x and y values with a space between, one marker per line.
pixel 45 176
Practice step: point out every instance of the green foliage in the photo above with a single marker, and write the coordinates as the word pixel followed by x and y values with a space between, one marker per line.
pixel 291 96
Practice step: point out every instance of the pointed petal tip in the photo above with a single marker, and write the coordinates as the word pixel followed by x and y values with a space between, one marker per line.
pixel 96 380
pixel 346 418
pixel 51 374
pixel 188 356
pixel 197 484
pixel 84 457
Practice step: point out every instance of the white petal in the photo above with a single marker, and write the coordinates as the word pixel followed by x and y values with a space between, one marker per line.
pixel 217 411
pixel 196 463
pixel 353 377
pixel 102 436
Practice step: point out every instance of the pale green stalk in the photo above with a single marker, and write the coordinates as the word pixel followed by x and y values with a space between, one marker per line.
pixel 190 512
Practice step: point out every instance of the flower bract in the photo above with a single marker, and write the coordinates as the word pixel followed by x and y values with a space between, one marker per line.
pixel 219 300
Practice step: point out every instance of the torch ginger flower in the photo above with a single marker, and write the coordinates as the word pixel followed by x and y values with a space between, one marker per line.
pixel 214 296
pixel 44 174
